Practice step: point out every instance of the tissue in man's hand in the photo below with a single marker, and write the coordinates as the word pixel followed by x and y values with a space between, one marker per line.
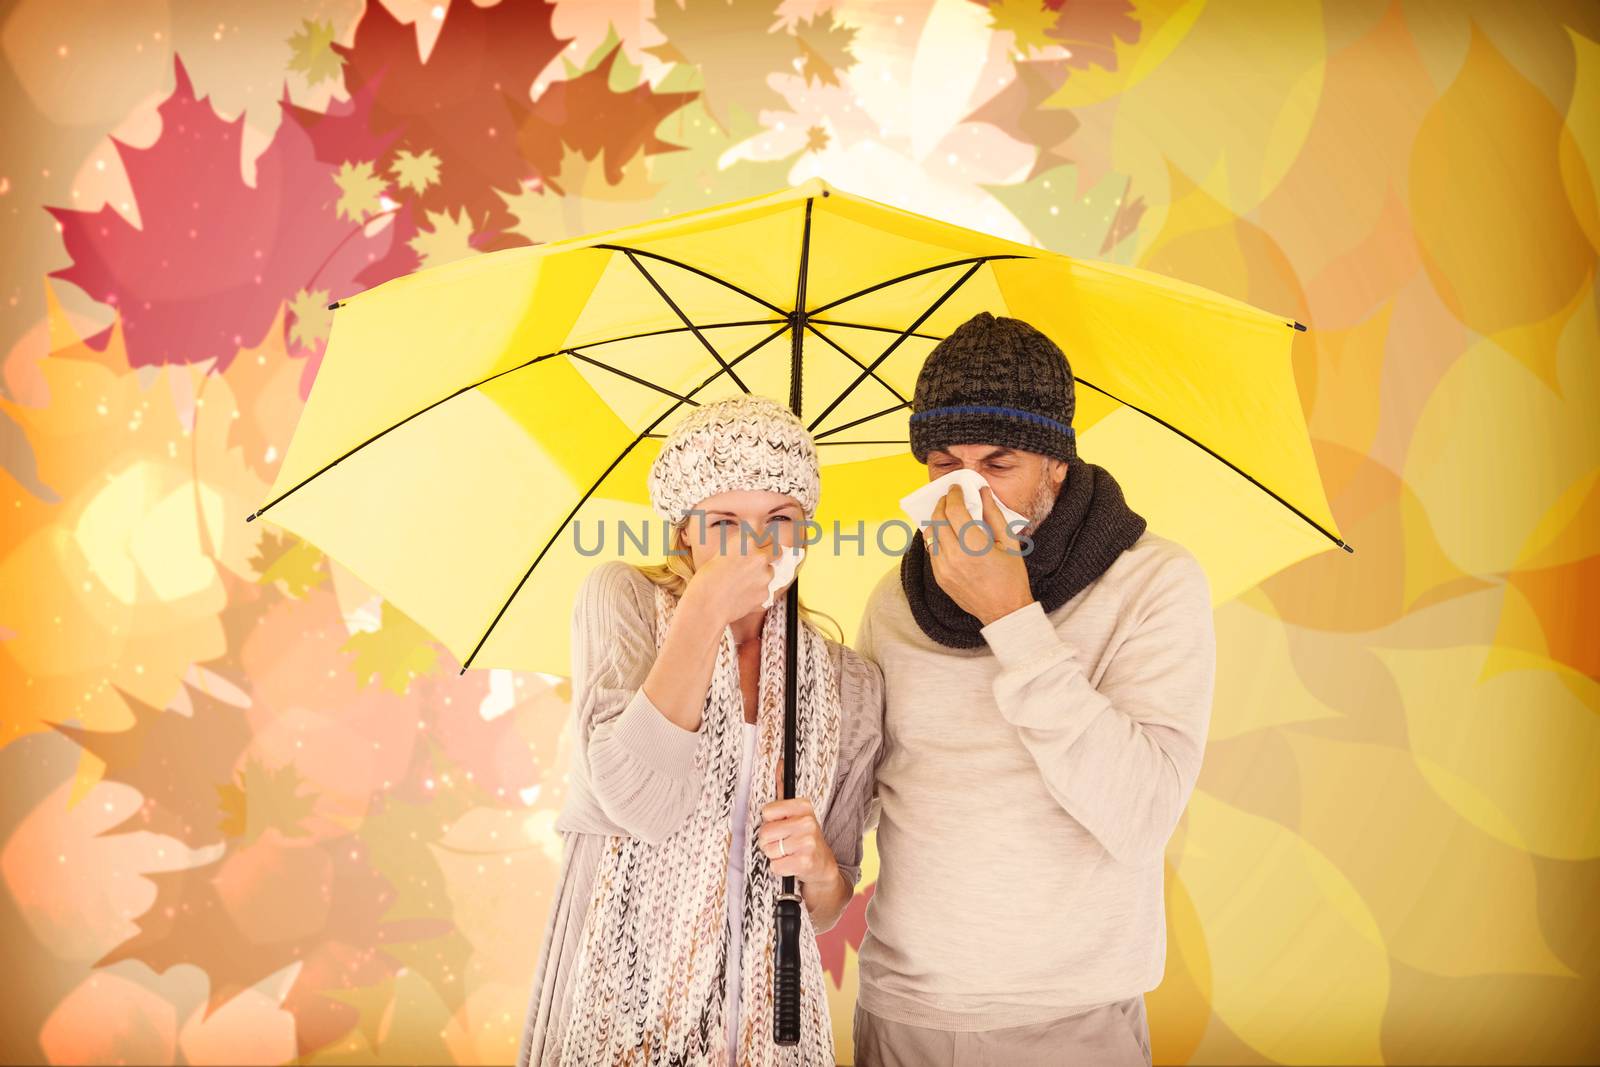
pixel 920 504
pixel 782 570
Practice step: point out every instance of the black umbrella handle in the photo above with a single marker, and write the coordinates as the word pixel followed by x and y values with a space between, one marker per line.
pixel 786 911
pixel 786 972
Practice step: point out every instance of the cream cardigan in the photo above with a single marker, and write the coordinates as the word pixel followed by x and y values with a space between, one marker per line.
pixel 633 772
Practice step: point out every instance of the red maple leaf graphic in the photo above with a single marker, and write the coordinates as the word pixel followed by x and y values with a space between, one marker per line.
pixel 401 258
pixel 348 132
pixel 454 104
pixel 176 761
pixel 214 258
pixel 849 930
pixel 588 115
pixel 275 902
pixel 1090 29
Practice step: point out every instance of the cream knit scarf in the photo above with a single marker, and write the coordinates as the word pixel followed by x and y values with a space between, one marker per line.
pixel 650 978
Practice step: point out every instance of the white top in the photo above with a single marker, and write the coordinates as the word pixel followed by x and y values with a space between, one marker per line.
pixel 741 803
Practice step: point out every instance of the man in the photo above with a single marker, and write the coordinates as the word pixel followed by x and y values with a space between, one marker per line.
pixel 1046 716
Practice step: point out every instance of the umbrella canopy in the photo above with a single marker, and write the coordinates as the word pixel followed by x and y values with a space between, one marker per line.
pixel 476 429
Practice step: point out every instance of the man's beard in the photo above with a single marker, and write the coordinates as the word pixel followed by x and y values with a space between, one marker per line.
pixel 1041 503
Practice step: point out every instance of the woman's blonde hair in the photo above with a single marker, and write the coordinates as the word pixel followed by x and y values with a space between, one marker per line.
pixel 674 573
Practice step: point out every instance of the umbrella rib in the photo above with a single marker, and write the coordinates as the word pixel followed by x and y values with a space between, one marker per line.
pixel 420 411
pixel 977 260
pixel 1222 459
pixel 862 326
pixel 634 259
pixel 887 352
pixel 857 422
pixel 484 381
pixel 635 378
pixel 597 483
pixel 895 441
pixel 676 329
pixel 851 356
pixel 880 329
pixel 695 270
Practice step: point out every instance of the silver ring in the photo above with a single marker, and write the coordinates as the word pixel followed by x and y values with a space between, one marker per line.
pixel 783 849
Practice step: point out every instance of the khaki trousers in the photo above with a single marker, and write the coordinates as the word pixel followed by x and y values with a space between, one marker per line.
pixel 1115 1034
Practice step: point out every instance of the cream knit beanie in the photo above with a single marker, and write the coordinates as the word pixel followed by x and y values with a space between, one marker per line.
pixel 743 442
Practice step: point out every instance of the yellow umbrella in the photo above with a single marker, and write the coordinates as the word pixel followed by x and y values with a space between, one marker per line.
pixel 468 420
pixel 475 427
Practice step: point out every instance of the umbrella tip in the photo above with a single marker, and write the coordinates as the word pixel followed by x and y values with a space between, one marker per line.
pixel 339 304
pixel 251 517
pixel 1347 547
pixel 1299 326
pixel 462 671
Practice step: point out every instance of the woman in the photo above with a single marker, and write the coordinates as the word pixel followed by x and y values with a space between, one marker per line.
pixel 658 948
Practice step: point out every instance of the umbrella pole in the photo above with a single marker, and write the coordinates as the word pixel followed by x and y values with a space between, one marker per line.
pixel 786 916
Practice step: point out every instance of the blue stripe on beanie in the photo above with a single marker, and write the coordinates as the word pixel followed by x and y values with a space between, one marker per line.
pixel 995 409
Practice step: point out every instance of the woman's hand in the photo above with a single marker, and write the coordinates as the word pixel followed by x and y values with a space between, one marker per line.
pixel 805 854
pixel 725 588
pixel 732 585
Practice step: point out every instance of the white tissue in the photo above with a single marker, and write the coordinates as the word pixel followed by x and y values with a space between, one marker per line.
pixel 783 568
pixel 920 504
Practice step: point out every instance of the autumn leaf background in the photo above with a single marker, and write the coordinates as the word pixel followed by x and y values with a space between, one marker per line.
pixel 253 814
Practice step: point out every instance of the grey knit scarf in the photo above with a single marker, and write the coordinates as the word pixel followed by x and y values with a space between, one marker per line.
pixel 1089 526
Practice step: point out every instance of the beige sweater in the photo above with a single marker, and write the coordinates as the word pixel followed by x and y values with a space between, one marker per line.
pixel 1027 792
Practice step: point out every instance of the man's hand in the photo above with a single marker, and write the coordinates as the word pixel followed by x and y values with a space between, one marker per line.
pixel 987 577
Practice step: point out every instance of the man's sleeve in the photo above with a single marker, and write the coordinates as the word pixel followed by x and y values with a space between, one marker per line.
pixel 1121 759
pixel 864 647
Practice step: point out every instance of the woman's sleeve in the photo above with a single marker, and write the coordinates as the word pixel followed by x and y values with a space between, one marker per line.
pixel 860 749
pixel 641 764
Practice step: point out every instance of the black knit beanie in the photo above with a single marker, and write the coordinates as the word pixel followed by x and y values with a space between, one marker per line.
pixel 994 380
